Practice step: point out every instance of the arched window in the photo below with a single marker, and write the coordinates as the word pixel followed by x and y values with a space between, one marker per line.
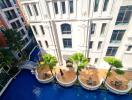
pixel 66 29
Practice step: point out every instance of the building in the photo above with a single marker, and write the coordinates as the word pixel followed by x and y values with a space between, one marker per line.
pixel 63 27
pixel 11 17
pixel 120 44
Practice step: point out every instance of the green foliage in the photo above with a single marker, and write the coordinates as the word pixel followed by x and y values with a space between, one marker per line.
pixel 118 71
pixel 13 39
pixel 79 59
pixel 49 60
pixel 114 62
pixel 13 71
pixel 5 56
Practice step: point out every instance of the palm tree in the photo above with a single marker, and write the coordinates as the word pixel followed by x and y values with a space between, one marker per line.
pixel 113 62
pixel 50 61
pixel 80 61
pixel 14 40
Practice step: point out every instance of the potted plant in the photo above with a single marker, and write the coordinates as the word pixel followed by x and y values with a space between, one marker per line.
pixel 113 62
pixel 79 60
pixel 50 61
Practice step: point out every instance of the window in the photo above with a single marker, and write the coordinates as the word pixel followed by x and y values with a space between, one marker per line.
pixel 42 29
pixel 10 14
pixel 29 10
pixel 56 8
pixel 105 5
pixel 26 40
pixel 103 28
pixel 22 32
pixel 111 51
pixel 63 7
pixel 2 4
pixel 124 15
pixel 13 24
pixel 93 26
pixel 99 44
pixel 67 43
pixel 129 48
pixel 96 60
pixel 71 6
pixel 19 54
pixel 8 3
pixel 35 30
pixel 18 10
pixel 66 29
pixel 22 19
pixel 35 9
pixel 46 43
pixel 16 24
pixel 90 44
pixel 96 5
pixel 40 44
pixel 5 3
pixel 117 35
pixel 14 1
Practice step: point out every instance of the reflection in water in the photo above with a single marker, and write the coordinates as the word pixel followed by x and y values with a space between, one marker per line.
pixel 37 91
pixel 55 87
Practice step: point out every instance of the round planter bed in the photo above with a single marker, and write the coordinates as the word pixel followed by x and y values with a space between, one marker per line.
pixel 66 80
pixel 117 91
pixel 49 78
pixel 89 87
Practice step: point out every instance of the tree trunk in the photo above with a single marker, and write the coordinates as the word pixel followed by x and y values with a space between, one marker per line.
pixel 108 73
pixel 52 73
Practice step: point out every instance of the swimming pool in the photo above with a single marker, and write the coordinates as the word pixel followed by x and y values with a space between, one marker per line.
pixel 34 56
pixel 26 87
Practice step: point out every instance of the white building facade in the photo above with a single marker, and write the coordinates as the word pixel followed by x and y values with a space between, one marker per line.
pixel 10 14
pixel 64 27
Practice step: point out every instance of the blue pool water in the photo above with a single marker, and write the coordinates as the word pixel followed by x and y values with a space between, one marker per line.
pixel 26 87
pixel 34 55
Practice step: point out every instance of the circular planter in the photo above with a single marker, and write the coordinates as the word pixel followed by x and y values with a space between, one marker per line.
pixel 116 91
pixel 88 87
pixel 66 84
pixel 48 80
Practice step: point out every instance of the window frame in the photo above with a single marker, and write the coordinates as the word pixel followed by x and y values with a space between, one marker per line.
pixel 29 10
pixel 106 2
pixel 35 29
pixel 103 28
pixel 93 28
pixel 99 45
pixel 124 10
pixel 115 36
pixel 42 29
pixel 68 42
pixel 35 9
pixel 71 6
pixel 56 8
pixel 112 52
pixel 96 5
pixel 65 28
pixel 63 7
pixel 90 44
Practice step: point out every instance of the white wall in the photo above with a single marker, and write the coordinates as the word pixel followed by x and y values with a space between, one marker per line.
pixel 83 14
